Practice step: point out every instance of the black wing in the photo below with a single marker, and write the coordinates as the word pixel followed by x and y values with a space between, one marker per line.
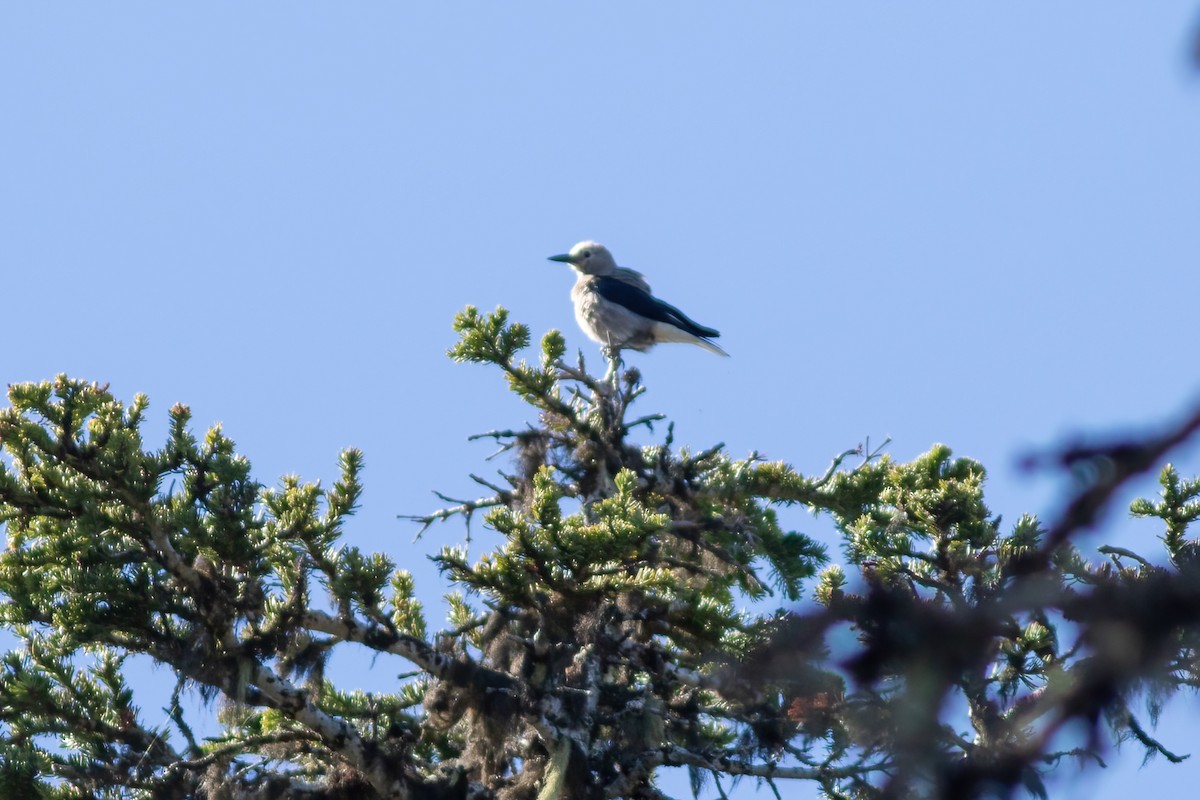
pixel 644 304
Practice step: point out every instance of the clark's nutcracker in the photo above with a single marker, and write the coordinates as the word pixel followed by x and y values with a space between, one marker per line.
pixel 614 306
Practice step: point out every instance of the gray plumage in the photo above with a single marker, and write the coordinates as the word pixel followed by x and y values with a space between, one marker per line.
pixel 614 306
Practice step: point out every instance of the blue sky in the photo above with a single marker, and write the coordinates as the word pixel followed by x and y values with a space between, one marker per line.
pixel 962 224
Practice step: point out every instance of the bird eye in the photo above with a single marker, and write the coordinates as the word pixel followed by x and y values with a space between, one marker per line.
pixel 586 254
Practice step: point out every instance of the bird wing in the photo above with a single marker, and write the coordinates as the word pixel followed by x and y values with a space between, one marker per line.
pixel 632 277
pixel 644 304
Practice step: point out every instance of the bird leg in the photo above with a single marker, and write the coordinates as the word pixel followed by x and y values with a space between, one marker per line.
pixel 613 354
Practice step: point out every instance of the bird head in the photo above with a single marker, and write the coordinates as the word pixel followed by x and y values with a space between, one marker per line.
pixel 589 258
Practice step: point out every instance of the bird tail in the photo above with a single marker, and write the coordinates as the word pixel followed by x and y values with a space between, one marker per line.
pixel 665 332
pixel 711 347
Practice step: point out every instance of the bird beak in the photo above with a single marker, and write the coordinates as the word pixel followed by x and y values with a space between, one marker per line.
pixel 564 258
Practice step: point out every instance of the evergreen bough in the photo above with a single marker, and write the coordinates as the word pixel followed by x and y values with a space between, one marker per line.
pixel 645 609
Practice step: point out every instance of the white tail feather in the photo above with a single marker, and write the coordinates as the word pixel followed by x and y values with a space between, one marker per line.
pixel 665 332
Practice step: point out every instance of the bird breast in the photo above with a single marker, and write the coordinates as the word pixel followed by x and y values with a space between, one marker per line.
pixel 606 322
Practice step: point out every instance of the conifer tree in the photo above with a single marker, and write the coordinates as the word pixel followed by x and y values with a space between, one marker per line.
pixel 646 609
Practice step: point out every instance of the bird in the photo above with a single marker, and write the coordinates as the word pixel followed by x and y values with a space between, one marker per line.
pixel 614 306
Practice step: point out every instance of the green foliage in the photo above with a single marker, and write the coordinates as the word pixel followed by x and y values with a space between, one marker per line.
pixel 408 615
pixel 178 554
pixel 645 608
pixel 1178 507
pixel 491 340
pixel 487 339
